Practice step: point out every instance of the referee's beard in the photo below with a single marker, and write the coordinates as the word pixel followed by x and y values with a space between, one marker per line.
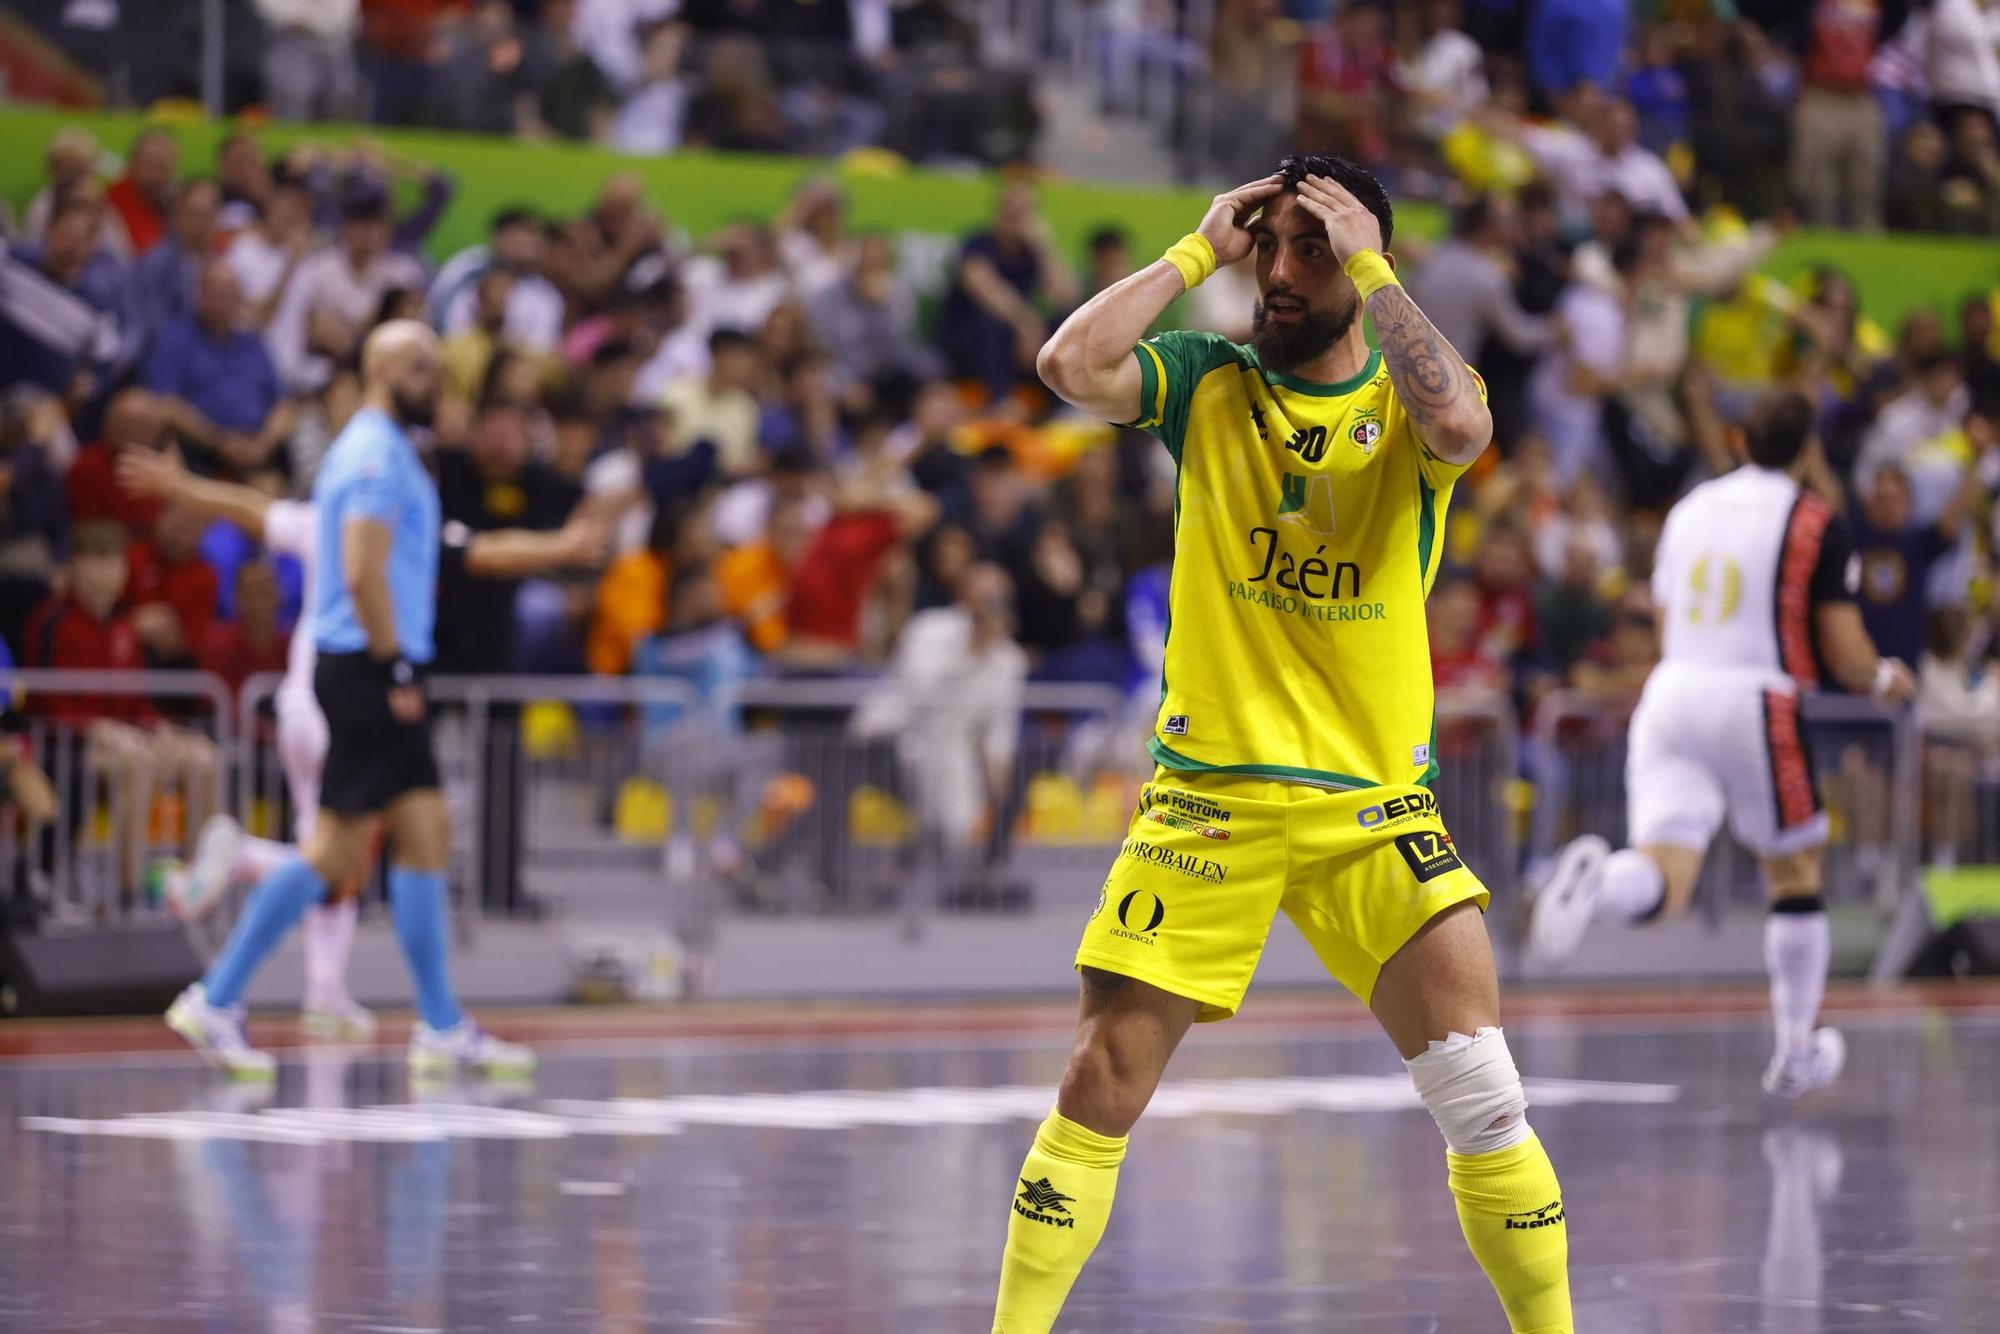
pixel 414 409
pixel 1286 345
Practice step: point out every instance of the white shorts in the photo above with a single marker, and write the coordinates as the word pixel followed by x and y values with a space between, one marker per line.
pixel 1709 744
pixel 302 741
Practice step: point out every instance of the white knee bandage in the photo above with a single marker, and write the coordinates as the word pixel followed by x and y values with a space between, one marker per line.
pixel 1473 1092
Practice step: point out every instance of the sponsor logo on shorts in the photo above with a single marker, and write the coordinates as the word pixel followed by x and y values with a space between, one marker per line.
pixel 1181 863
pixel 1172 821
pixel 1549 1215
pixel 1139 916
pixel 1201 808
pixel 1397 809
pixel 1039 1202
pixel 1429 853
pixel 1175 725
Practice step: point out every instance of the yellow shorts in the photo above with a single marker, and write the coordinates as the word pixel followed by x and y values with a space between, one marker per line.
pixel 1210 858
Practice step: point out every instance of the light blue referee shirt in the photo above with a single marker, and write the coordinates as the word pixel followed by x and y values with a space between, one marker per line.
pixel 372 472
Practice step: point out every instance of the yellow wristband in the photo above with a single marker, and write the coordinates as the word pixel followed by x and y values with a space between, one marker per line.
pixel 1370 272
pixel 1193 257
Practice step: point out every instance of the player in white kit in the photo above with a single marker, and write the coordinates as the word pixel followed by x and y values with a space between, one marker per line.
pixel 224 853
pixel 1754 588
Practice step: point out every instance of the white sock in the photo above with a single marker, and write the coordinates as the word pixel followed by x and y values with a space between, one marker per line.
pixel 258 857
pixel 1797 948
pixel 329 940
pixel 1630 885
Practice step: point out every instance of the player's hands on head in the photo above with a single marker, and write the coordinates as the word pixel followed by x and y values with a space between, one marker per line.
pixel 1227 222
pixel 1350 227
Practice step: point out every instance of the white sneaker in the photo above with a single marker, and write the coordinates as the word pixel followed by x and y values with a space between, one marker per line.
pixel 1793 1074
pixel 195 888
pixel 436 1055
pixel 217 1033
pixel 336 1016
pixel 1567 900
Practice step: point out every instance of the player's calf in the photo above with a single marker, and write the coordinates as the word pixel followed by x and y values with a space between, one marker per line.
pixel 1062 1198
pixel 1510 1204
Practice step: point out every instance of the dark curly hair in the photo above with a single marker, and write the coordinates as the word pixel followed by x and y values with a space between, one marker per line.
pixel 1356 179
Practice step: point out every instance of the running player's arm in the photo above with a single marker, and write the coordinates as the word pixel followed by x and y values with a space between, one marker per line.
pixel 1442 396
pixel 1851 657
pixel 1088 362
pixel 160 473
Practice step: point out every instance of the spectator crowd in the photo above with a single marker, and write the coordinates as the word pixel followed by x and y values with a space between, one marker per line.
pixel 807 477
pixel 1862 113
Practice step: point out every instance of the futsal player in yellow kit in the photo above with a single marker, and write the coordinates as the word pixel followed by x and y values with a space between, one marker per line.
pixel 1296 732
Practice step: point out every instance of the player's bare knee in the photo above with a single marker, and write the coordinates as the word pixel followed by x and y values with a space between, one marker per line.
pixel 1472 1090
pixel 1099 1090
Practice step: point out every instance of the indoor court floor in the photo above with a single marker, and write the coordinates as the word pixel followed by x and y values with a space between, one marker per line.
pixel 848 1170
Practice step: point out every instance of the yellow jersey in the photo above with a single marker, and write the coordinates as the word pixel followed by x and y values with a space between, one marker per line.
pixel 1307 531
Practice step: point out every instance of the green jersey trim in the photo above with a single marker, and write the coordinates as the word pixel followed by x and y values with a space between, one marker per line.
pixel 1167 757
pixel 1318 390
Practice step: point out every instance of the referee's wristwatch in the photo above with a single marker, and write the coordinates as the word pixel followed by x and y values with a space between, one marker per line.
pixel 400 671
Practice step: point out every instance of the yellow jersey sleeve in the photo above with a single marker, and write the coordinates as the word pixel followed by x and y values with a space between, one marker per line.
pixel 1439 473
pixel 1171 364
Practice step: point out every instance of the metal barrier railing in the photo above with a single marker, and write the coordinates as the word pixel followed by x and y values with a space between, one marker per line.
pixel 1866 757
pixel 137 760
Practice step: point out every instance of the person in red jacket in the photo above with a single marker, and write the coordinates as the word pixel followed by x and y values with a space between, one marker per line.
pixel 253 642
pixel 172 590
pixel 136 419
pixel 142 194
pixel 83 630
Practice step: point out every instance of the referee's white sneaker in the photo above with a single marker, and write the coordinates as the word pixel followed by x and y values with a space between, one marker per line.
pixel 438 1054
pixel 217 1033
pixel 1567 900
pixel 193 889
pixel 1800 1070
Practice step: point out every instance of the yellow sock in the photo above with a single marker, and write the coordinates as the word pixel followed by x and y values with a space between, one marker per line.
pixel 1510 1207
pixel 1061 1203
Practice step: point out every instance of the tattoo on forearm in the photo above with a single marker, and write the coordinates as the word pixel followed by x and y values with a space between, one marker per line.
pixel 1429 376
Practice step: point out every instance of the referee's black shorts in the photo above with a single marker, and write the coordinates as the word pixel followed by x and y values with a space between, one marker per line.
pixel 372 759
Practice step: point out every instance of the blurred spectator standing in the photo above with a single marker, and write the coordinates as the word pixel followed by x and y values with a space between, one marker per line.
pixel 309 69
pixel 1572 42
pixel 1742 121
pixel 534 310
pixel 1897 554
pixel 1466 288
pixel 333 294
pixel 266 254
pixel 142 196
pixel 576 100
pixel 867 321
pixel 218 382
pixel 72 160
pixel 52 332
pixel 161 287
pixel 1838 139
pixel 951 704
pixel 993 322
pixel 244 179
pixel 652 119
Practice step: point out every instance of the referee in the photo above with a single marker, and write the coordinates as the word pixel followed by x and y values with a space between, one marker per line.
pixel 371 618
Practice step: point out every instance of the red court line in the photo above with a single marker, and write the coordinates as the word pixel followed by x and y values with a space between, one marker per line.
pixel 27 1039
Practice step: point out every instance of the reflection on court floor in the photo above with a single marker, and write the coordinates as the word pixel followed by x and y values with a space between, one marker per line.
pixel 857 1182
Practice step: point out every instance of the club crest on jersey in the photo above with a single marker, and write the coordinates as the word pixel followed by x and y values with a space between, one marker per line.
pixel 1365 434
